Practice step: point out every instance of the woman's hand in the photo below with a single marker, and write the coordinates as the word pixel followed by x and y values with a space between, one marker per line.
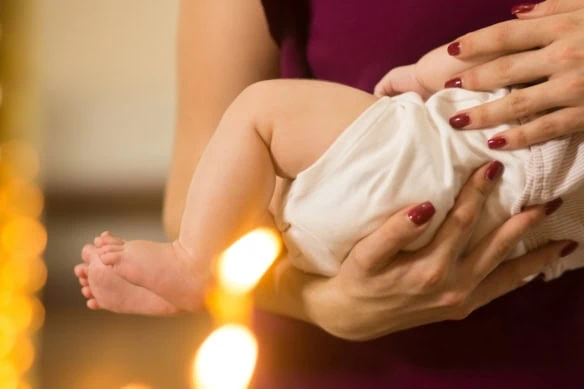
pixel 380 290
pixel 544 49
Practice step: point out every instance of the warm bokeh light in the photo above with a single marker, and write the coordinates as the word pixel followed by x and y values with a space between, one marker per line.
pixel 22 355
pixel 136 386
pixel 24 236
pixel 19 160
pixel 8 375
pixel 243 264
pixel 226 359
pixel 20 197
pixel 22 275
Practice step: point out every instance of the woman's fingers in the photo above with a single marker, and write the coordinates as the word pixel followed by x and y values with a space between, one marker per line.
pixel 519 104
pixel 505 37
pixel 453 235
pixel 546 8
pixel 515 273
pixel 552 125
pixel 495 248
pixel 373 251
pixel 513 69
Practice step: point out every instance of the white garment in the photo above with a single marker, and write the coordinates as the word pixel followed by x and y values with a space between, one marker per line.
pixel 400 152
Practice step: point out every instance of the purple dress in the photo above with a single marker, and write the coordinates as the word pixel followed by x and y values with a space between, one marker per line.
pixel 531 338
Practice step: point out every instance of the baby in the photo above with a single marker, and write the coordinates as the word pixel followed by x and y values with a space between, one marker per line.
pixel 349 160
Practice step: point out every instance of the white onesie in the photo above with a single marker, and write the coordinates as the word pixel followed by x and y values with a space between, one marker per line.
pixel 401 151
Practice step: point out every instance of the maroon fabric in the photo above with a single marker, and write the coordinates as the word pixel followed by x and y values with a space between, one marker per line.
pixel 531 338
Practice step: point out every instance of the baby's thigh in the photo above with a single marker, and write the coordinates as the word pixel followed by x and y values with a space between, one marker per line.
pixel 304 117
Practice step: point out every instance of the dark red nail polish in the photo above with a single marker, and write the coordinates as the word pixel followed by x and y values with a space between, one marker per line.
pixel 459 121
pixel 454 83
pixel 497 142
pixel 522 8
pixel 420 214
pixel 454 48
pixel 494 170
pixel 553 206
pixel 569 249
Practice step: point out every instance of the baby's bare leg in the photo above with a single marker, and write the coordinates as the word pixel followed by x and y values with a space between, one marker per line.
pixel 273 128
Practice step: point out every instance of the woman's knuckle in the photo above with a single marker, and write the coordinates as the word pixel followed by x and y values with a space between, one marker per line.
pixel 471 79
pixel 575 85
pixel 453 299
pixel 520 137
pixel 547 128
pixel 464 218
pixel 433 278
pixel 480 115
pixel 519 104
pixel 462 311
pixel 361 256
pixel 567 54
pixel 565 24
pixel 504 71
pixel 502 33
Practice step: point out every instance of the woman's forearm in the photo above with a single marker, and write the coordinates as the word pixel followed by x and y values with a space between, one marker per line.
pixel 222 47
pixel 219 54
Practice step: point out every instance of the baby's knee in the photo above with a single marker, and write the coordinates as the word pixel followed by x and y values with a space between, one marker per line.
pixel 256 103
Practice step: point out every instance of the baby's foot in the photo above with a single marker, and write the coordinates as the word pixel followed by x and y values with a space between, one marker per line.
pixel 163 268
pixel 105 289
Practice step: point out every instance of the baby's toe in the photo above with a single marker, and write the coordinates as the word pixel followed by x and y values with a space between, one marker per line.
pixel 86 292
pixel 111 257
pixel 86 252
pixel 83 281
pixel 92 304
pixel 109 248
pixel 106 238
pixel 80 270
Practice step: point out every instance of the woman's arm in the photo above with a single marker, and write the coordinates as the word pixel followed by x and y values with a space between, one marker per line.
pixel 223 46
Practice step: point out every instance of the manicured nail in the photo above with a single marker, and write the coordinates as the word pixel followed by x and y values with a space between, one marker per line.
pixel 569 249
pixel 454 48
pixel 420 214
pixel 497 142
pixel 454 83
pixel 460 121
pixel 494 170
pixel 522 8
pixel 553 206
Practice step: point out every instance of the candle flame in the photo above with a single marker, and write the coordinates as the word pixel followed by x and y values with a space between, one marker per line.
pixel 243 264
pixel 226 359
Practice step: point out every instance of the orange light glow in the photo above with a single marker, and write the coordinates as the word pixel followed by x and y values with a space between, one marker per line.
pixel 24 236
pixel 226 359
pixel 135 386
pixel 243 264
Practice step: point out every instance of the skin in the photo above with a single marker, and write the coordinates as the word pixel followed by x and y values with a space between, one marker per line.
pixel 222 50
pixel 543 48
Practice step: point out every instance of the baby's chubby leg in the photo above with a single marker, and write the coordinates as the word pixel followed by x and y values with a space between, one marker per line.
pixel 274 128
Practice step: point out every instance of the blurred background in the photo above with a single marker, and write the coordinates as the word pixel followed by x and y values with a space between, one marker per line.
pixel 106 103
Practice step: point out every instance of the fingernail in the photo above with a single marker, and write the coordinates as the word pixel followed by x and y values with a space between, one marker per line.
pixel 454 83
pixel 497 142
pixel 569 249
pixel 454 48
pixel 494 170
pixel 553 206
pixel 459 121
pixel 522 8
pixel 420 214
